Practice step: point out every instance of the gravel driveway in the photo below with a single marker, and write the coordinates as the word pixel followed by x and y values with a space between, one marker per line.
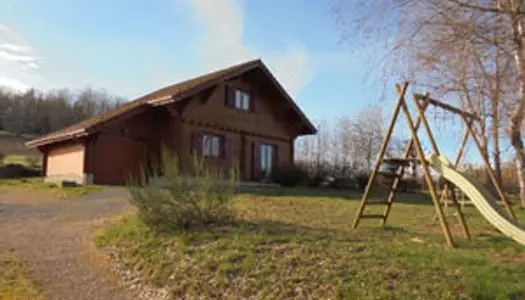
pixel 54 238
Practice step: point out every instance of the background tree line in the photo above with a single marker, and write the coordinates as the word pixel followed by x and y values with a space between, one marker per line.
pixel 37 112
pixel 344 151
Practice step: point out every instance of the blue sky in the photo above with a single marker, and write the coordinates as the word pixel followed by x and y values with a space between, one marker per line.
pixel 132 47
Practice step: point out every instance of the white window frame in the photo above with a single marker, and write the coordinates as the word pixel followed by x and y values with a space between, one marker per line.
pixel 211 145
pixel 267 157
pixel 241 100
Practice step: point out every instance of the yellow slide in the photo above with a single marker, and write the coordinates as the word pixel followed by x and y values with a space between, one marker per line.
pixel 480 197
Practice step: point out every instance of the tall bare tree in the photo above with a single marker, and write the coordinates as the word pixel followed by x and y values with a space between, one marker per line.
pixel 367 135
pixel 480 43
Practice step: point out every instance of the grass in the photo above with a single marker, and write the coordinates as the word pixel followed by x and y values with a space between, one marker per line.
pixel 14 281
pixel 11 144
pixel 288 245
pixel 22 160
pixel 38 184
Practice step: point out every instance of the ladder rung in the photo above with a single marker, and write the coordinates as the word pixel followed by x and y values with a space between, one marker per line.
pixel 377 203
pixel 372 216
pixel 400 161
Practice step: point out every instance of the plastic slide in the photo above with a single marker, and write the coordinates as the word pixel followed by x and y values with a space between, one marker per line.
pixel 481 198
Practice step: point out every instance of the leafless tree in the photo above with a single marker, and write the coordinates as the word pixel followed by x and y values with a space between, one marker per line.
pixel 480 44
pixel 367 136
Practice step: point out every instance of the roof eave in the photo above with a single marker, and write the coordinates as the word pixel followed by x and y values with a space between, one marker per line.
pixel 311 128
pixel 59 138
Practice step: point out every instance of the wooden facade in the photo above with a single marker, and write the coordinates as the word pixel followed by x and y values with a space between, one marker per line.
pixel 260 133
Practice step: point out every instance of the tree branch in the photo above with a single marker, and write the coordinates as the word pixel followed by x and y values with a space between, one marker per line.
pixel 486 9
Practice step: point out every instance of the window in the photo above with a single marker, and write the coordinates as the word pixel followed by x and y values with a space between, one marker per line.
pixel 212 145
pixel 242 100
pixel 267 158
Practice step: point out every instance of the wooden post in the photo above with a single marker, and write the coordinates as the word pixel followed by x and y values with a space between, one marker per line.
pixel 380 155
pixel 456 162
pixel 461 217
pixel 431 185
pixel 400 171
pixel 492 175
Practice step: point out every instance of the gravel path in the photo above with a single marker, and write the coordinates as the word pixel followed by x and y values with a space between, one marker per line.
pixel 54 238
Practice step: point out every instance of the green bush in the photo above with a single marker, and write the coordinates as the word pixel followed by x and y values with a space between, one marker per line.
pixel 441 182
pixel 409 184
pixel 289 175
pixel 362 179
pixel 2 157
pixel 341 182
pixel 202 200
pixel 32 162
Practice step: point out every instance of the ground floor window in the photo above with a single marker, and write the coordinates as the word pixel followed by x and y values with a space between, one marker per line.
pixel 212 145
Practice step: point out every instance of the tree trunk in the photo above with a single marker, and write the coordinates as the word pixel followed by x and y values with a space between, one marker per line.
pixel 485 148
pixel 369 155
pixel 496 154
pixel 518 114
pixel 495 102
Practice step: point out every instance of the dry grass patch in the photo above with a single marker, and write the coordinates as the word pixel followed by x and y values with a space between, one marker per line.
pixel 298 247
pixel 37 184
pixel 14 281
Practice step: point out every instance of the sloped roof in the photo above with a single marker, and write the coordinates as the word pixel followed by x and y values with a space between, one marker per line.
pixel 170 93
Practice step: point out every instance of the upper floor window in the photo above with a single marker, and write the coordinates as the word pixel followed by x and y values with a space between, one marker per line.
pixel 241 100
pixel 212 145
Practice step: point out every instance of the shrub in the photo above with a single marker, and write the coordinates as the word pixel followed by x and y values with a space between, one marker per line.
pixel 33 162
pixel 409 184
pixel 316 180
pixel 341 182
pixel 362 179
pixel 289 175
pixel 201 200
pixel 17 171
pixel 2 157
pixel 441 182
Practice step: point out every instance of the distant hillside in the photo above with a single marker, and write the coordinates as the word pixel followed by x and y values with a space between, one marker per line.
pixel 13 145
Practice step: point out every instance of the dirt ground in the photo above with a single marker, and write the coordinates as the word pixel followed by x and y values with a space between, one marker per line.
pixel 53 237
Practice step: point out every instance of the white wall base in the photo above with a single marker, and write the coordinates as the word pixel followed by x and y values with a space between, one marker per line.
pixel 82 179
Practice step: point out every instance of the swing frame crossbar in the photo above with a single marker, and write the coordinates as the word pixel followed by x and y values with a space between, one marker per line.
pixel 422 102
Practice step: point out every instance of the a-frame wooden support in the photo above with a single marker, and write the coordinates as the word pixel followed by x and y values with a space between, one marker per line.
pixel 461 150
pixel 469 119
pixel 414 142
pixel 421 103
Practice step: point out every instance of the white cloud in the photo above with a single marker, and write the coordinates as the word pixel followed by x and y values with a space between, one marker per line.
pixel 292 68
pixel 223 45
pixel 22 65
pixel 13 84
pixel 19 62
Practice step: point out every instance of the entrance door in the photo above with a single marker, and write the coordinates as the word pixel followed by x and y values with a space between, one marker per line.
pixel 267 160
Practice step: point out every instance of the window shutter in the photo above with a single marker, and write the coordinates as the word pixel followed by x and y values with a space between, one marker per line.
pixel 257 159
pixel 228 147
pixel 281 155
pixel 229 95
pixel 193 143
pixel 256 104
pixel 197 142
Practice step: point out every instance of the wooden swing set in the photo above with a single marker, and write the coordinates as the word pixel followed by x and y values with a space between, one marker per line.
pixel 422 102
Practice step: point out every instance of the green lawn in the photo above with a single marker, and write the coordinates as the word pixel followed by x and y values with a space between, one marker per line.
pixel 38 184
pixel 14 281
pixel 298 244
pixel 29 161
